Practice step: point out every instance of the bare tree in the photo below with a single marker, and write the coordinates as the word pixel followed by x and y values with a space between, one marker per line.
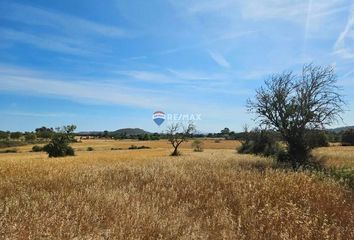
pixel 292 104
pixel 178 133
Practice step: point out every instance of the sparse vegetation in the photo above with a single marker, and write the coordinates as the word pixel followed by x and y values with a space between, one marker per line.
pixel 198 145
pixel 90 149
pixel 37 148
pixel 147 195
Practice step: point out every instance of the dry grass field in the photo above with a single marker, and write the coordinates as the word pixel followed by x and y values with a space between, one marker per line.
pixel 146 194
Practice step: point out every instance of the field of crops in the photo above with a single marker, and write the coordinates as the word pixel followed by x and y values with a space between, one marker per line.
pixel 116 193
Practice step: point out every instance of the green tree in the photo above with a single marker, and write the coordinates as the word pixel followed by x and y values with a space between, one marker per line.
pixel 30 136
pixel 44 132
pixel 4 135
pixel 16 135
pixel 59 143
pixel 348 137
pixel 292 104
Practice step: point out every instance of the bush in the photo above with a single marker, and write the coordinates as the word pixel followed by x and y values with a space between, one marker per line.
pixel 37 148
pixel 112 149
pixel 30 137
pixel 316 139
pixel 197 146
pixel 59 143
pixel 133 147
pixel 90 149
pixel 348 137
pixel 58 150
pixel 259 142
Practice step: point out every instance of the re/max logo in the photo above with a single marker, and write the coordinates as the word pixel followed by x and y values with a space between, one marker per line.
pixel 183 117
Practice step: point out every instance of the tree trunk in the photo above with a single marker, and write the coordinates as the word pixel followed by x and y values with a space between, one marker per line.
pixel 298 153
pixel 175 152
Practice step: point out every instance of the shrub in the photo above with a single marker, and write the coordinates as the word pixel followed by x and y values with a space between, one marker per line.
pixel 197 146
pixel 16 135
pixel 30 136
pixel 56 149
pixel 217 141
pixel 112 149
pixel 259 142
pixel 133 147
pixel 90 149
pixel 37 148
pixel 59 143
pixel 316 139
pixel 348 137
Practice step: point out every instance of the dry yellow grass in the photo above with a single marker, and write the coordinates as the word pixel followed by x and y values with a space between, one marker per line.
pixel 102 145
pixel 336 156
pixel 145 194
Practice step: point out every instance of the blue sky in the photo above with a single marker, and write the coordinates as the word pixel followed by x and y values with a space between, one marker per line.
pixel 111 64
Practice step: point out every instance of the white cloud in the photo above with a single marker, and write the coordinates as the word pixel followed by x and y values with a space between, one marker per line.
pixel 344 46
pixel 146 76
pixel 219 59
pixel 56 44
pixel 38 16
pixel 83 91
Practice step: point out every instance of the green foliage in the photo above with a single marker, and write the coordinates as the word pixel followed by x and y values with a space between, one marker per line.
pixel 29 136
pixel 316 138
pixel 44 132
pixel 134 147
pixel 197 145
pixel 59 143
pixel 15 135
pixel 37 148
pixel 348 137
pixel 258 142
pixel 4 135
pixel 149 137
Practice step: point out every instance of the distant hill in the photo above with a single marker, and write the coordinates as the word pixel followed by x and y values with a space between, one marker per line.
pixel 340 129
pixel 123 131
pixel 129 132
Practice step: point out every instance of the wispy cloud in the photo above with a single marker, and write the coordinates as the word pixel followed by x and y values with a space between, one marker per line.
pixel 59 21
pixel 36 114
pixel 344 45
pixel 50 30
pixel 56 44
pixel 200 45
pixel 146 76
pixel 82 91
pixel 219 59
pixel 170 76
